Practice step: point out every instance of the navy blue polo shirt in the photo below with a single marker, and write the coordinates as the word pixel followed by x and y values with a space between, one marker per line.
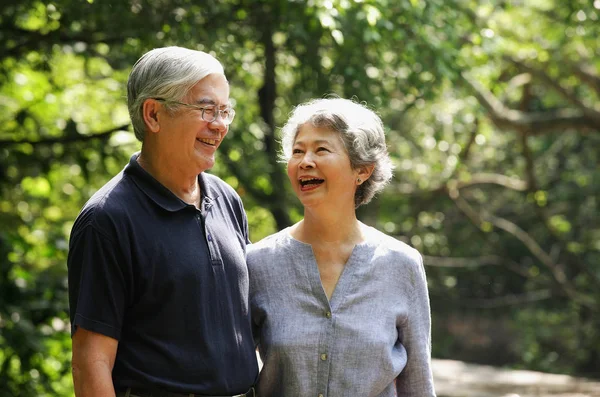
pixel 168 281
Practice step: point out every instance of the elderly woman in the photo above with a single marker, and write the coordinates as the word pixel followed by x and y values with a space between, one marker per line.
pixel 338 308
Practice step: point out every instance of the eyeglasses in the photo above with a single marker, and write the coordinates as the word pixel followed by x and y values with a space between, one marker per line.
pixel 209 113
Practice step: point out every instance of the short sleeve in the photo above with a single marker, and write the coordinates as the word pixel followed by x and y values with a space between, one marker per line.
pixel 245 229
pixel 97 283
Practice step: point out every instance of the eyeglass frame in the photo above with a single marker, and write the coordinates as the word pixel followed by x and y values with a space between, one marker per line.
pixel 218 112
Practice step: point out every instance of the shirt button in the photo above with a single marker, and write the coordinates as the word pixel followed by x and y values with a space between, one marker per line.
pixel 323 356
pixel 328 314
pixel 321 395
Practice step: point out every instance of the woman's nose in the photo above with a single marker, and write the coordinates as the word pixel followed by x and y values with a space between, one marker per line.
pixel 307 161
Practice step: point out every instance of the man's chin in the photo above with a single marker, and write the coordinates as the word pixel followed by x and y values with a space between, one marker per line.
pixel 205 163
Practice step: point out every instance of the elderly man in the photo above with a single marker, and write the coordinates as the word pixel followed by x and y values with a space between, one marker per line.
pixel 158 284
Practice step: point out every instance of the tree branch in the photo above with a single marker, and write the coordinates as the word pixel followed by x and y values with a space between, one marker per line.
pixel 64 139
pixel 536 123
pixel 464 155
pixel 509 300
pixel 567 93
pixel 490 179
pixel 555 269
pixel 456 262
pixel 29 40
pixel 475 179
pixel 479 261
pixel 587 75
pixel 526 99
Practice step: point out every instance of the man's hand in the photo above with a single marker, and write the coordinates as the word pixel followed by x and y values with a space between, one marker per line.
pixel 93 360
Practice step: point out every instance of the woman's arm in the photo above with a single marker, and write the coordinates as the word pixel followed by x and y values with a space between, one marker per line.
pixel 416 380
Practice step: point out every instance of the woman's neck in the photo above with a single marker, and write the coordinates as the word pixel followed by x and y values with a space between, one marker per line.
pixel 322 228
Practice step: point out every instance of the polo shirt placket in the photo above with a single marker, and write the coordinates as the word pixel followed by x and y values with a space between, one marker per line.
pixel 209 233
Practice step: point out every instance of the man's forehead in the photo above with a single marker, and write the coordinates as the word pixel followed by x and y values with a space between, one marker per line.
pixel 213 81
pixel 211 90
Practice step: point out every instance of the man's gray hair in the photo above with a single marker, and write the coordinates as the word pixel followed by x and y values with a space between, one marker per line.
pixel 168 73
pixel 361 131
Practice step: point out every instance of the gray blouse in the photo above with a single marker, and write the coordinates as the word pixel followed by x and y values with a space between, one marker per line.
pixel 372 339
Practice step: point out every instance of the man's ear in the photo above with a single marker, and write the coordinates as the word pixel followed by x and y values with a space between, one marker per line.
pixel 365 171
pixel 150 114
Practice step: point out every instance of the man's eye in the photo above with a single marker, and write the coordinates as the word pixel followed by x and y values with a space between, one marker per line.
pixel 322 148
pixel 296 151
pixel 209 111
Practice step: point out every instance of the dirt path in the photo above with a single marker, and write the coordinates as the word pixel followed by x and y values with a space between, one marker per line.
pixel 459 379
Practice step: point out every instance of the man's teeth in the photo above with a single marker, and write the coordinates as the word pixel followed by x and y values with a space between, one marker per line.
pixel 208 141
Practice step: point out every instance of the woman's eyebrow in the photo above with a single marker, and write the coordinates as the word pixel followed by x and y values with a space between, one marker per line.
pixel 316 142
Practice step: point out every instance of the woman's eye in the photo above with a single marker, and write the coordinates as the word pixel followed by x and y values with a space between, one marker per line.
pixel 322 149
pixel 296 151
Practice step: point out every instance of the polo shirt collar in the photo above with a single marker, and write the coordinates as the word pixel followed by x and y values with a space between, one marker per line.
pixel 162 196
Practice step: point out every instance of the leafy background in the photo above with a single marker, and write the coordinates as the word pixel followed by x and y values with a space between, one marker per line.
pixel 492 112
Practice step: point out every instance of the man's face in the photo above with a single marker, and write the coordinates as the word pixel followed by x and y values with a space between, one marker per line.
pixel 188 140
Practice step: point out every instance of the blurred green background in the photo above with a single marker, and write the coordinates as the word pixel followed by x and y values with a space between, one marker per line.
pixel 492 110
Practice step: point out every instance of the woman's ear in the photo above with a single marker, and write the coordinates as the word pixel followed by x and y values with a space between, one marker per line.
pixel 150 110
pixel 364 173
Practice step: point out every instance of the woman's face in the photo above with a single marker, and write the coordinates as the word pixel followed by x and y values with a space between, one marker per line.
pixel 319 168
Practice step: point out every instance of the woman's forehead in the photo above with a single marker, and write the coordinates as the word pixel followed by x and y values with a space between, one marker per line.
pixel 309 133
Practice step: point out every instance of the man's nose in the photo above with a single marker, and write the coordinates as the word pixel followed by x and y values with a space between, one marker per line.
pixel 218 124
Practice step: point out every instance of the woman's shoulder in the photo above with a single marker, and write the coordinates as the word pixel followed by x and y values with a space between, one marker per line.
pixel 390 246
pixel 270 255
pixel 402 263
pixel 270 243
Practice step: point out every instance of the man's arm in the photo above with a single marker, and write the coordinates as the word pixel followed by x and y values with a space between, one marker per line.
pixel 93 360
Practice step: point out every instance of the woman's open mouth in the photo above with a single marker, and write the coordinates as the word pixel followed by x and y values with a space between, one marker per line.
pixel 310 183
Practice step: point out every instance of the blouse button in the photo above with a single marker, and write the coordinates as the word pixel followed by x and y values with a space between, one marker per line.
pixel 323 356
pixel 328 314
pixel 321 395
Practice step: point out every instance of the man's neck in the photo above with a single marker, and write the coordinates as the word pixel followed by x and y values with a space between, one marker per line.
pixel 184 186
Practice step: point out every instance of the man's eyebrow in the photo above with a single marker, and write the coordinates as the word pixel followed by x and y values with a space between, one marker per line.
pixel 209 101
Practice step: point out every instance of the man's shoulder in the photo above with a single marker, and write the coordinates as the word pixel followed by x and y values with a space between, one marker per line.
pixel 218 185
pixel 106 205
pixel 114 196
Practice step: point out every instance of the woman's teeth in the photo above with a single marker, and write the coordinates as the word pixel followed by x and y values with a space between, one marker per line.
pixel 311 181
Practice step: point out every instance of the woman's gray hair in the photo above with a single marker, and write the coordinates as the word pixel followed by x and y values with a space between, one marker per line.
pixel 361 131
pixel 168 73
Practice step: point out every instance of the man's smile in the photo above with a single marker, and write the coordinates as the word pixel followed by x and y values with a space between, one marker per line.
pixel 211 142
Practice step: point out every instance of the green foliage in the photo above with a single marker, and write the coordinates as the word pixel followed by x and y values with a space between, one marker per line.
pixel 492 123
